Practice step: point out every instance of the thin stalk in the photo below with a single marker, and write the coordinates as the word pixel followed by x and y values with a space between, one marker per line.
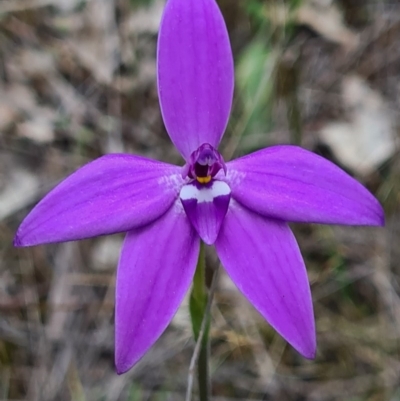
pixel 200 305
pixel 203 370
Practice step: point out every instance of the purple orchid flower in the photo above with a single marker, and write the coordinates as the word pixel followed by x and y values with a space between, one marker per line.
pixel 242 207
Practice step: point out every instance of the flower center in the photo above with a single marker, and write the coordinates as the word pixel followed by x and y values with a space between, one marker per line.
pixel 204 164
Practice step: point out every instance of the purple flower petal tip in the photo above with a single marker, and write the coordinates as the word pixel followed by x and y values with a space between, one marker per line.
pixel 17 241
pixel 310 353
pixel 122 367
pixel 306 345
pixel 195 73
pixel 380 221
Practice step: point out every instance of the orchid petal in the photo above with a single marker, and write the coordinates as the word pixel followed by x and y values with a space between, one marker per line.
pixel 262 258
pixel 155 270
pixel 206 207
pixel 293 184
pixel 195 73
pixel 114 193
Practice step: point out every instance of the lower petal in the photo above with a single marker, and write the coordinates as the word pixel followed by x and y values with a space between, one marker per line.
pixel 263 259
pixel 155 270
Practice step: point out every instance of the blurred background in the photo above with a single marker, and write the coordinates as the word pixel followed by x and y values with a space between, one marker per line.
pixel 77 80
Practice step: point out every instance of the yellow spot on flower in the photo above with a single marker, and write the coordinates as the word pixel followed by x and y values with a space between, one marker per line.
pixel 204 180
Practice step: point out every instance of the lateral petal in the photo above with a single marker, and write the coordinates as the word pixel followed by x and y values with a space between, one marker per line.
pixel 114 193
pixel 195 73
pixel 262 258
pixel 155 270
pixel 206 207
pixel 293 184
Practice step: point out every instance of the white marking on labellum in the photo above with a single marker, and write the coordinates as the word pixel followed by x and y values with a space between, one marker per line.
pixel 205 194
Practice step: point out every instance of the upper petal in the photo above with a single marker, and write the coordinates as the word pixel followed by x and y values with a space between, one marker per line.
pixel 262 258
pixel 155 270
pixel 195 73
pixel 293 184
pixel 114 193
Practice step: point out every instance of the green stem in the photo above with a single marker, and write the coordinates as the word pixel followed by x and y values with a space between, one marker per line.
pixel 203 373
pixel 198 309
